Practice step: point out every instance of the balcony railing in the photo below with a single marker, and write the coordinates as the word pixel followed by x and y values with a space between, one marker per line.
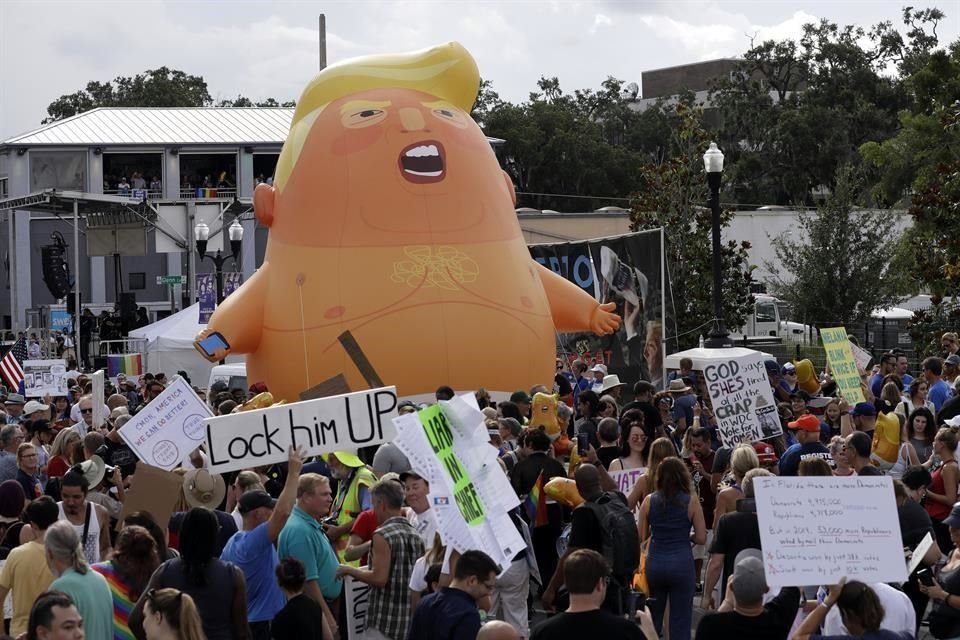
pixel 139 194
pixel 200 193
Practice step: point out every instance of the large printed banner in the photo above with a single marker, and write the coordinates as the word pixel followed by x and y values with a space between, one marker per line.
pixel 843 365
pixel 167 430
pixel 231 282
pixel 815 530
pixel 470 496
pixel 206 295
pixel 741 397
pixel 337 423
pixel 625 270
pixel 44 377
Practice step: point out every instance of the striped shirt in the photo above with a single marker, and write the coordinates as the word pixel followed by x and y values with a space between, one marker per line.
pixel 389 610
pixel 123 602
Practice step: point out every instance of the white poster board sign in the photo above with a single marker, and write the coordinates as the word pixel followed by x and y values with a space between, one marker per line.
pixel 626 479
pixel 470 494
pixel 742 399
pixel 815 530
pixel 358 599
pixel 96 390
pixel 44 378
pixel 336 423
pixel 167 430
pixel 862 356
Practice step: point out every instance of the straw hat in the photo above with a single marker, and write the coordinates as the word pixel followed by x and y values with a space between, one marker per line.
pixel 203 489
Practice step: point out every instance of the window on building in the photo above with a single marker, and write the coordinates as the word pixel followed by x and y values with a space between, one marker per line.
pixel 137 281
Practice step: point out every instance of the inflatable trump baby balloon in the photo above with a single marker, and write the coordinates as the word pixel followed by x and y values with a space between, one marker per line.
pixel 390 218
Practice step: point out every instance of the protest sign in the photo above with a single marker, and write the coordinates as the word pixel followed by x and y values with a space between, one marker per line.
pixel 358 599
pixel 44 377
pixel 742 399
pixel 861 356
pixel 470 496
pixel 163 433
pixel 815 530
pixel 843 366
pixel 336 423
pixel 153 490
pixel 96 390
pixel 626 479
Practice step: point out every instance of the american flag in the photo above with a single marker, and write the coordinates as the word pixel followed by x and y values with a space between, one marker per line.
pixel 11 367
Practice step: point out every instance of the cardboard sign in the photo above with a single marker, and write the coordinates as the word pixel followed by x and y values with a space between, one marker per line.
pixel 470 496
pixel 44 378
pixel 814 530
pixel 358 599
pixel 337 423
pixel 843 366
pixel 153 490
pixel 625 480
pixel 163 433
pixel 96 390
pixel 742 399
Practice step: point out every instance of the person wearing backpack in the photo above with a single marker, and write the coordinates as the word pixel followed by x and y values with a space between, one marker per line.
pixel 666 517
pixel 603 523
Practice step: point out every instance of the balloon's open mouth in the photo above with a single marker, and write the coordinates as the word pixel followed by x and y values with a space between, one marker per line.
pixel 423 162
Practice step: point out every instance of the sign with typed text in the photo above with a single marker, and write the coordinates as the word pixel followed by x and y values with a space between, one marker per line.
pixel 336 423
pixel 815 530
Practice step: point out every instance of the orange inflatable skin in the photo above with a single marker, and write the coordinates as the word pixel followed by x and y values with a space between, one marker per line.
pixel 396 223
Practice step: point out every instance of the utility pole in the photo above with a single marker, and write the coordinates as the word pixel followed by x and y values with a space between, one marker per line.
pixel 323 41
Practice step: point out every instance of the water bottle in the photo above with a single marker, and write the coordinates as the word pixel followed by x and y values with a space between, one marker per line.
pixel 701 341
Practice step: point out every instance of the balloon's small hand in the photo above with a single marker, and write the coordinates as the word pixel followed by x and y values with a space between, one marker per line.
pixel 604 321
pixel 218 354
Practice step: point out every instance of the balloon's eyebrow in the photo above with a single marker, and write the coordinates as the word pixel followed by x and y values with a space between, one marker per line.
pixel 353 105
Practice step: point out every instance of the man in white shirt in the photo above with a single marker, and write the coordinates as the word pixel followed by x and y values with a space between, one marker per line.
pixel 898 613
pixel 415 491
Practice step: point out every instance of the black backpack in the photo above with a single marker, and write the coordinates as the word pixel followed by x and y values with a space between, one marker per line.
pixel 621 540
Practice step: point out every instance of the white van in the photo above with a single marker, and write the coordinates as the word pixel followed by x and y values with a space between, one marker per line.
pixel 234 375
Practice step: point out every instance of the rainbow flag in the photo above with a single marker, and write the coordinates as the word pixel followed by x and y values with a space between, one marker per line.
pixel 129 364
pixel 536 503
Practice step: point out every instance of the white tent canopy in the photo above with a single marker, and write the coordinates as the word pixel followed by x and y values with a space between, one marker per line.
pixel 703 357
pixel 170 346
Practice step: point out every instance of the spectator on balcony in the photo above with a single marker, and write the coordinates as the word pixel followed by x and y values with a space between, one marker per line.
pixel 124 187
pixel 138 181
pixel 155 184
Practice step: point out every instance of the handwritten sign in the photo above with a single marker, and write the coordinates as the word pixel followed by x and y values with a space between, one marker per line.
pixel 167 430
pixel 742 399
pixel 470 496
pixel 44 377
pixel 814 530
pixel 626 479
pixel 843 366
pixel 336 423
pixel 358 600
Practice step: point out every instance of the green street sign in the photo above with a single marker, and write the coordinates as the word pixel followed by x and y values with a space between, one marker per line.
pixel 169 279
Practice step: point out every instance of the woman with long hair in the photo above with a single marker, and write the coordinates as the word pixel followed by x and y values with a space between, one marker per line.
pixel 61 453
pixel 919 432
pixel 127 573
pixel 301 616
pixel 860 611
pixel 634 443
pixel 146 520
pixel 660 450
pixel 942 493
pixel 742 459
pixel 418 580
pixel 830 424
pixel 916 398
pixel 218 588
pixel 170 614
pixel 61 409
pixel 666 517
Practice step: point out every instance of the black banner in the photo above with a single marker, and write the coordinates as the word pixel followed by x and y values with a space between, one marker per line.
pixel 625 270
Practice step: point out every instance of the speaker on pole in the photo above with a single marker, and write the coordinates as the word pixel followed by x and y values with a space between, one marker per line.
pixel 56 274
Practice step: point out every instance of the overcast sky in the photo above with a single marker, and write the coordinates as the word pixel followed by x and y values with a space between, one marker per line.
pixel 270 49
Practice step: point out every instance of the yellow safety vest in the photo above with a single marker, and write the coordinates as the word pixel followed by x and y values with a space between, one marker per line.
pixel 350 507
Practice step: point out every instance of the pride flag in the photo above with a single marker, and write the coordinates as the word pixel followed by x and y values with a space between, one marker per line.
pixel 536 503
pixel 129 364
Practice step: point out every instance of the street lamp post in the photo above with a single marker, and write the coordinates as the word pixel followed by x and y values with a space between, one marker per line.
pixel 201 233
pixel 713 165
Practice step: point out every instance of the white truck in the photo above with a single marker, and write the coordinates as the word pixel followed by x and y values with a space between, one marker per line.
pixel 768 322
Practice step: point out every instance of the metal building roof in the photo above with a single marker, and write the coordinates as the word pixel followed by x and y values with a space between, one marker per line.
pixel 121 126
pixel 106 126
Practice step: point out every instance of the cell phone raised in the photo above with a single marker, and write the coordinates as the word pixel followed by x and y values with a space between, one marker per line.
pixel 209 345
pixel 925 576
pixel 583 443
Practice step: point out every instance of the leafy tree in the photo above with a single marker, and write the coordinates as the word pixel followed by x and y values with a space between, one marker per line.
pixel 838 270
pixel 671 196
pixel 161 87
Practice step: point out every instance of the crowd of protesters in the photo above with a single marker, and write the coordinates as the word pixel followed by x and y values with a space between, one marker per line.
pixel 263 552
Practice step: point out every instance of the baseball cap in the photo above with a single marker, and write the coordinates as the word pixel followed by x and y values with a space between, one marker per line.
pixel 771 366
pixel 953 359
pixel 254 500
pixel 788 367
pixel 806 422
pixel 346 458
pixel 412 475
pixel 749 579
pixel 34 406
pixel 864 409
pixel 599 368
pixel 766 452
pixel 520 396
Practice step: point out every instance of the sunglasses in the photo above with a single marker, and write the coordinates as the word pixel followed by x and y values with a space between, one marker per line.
pixel 86 410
